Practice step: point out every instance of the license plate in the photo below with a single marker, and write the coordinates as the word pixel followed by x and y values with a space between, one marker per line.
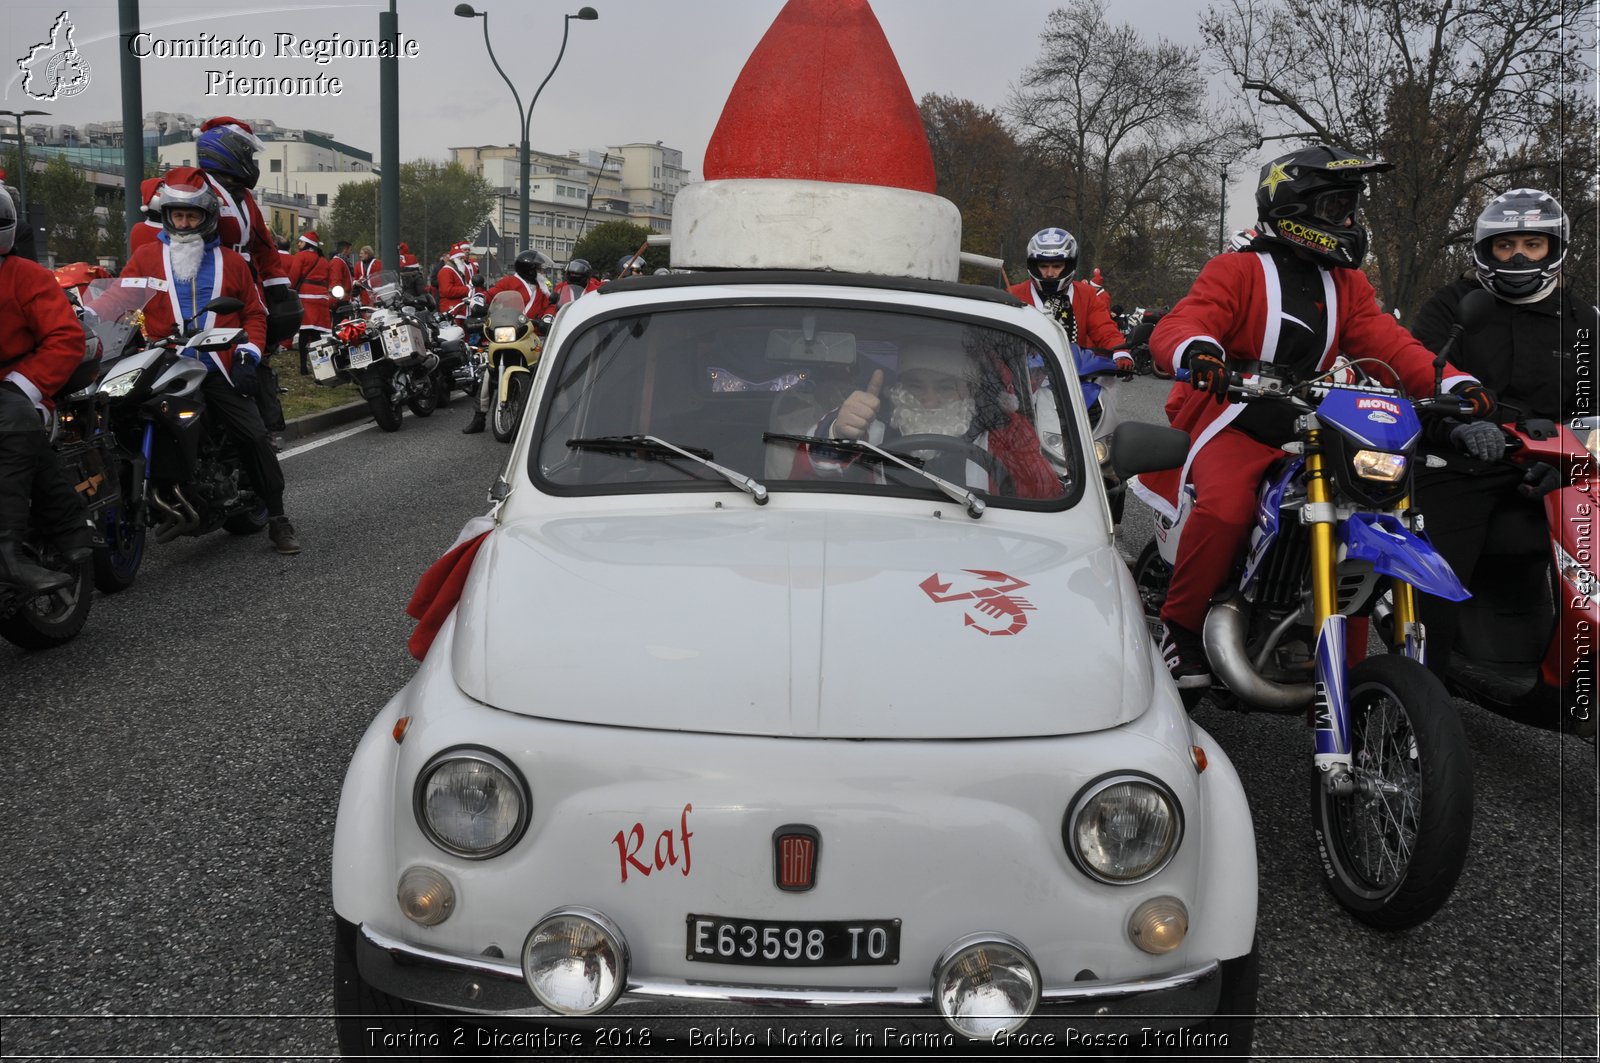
pixel 360 356
pixel 793 943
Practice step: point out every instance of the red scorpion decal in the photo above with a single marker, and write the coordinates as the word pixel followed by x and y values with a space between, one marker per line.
pixel 997 602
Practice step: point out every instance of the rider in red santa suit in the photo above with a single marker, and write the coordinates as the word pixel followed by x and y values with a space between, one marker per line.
pixel 190 268
pixel 1296 299
pixel 1082 307
pixel 226 151
pixel 455 282
pixel 522 282
pixel 309 274
pixel 579 281
pixel 150 228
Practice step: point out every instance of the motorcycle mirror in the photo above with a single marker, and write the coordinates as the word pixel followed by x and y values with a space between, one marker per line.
pixel 1475 309
pixel 223 305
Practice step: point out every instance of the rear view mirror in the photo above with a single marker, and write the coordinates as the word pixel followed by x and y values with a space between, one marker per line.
pixel 831 348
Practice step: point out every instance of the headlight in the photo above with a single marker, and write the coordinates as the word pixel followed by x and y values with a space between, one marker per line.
pixel 471 803
pixel 1591 442
pixel 576 962
pixel 1122 829
pixel 1574 572
pixel 505 335
pixel 1379 466
pixel 117 386
pixel 985 986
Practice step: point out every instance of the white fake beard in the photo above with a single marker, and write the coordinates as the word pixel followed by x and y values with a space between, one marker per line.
pixel 910 418
pixel 187 251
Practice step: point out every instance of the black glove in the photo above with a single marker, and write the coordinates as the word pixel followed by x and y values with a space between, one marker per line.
pixel 1479 439
pixel 244 374
pixel 1481 398
pixel 1208 369
pixel 1539 480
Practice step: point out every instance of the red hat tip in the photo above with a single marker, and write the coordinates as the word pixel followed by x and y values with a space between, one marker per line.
pixel 822 99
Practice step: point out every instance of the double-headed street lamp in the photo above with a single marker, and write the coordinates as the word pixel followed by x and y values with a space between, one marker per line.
pixel 586 14
pixel 22 160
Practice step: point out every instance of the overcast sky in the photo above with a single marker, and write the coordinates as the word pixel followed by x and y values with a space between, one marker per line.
pixel 647 70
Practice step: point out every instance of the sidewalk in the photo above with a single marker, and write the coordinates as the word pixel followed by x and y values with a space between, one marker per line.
pixel 311 423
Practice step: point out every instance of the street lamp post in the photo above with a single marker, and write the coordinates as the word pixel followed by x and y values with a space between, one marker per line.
pixel 22 160
pixel 585 14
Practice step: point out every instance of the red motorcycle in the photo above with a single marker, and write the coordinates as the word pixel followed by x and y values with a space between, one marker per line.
pixel 1526 649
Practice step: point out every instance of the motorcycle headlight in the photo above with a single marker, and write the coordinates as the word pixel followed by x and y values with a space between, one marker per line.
pixel 1122 829
pixel 471 803
pixel 505 335
pixel 117 386
pixel 1379 465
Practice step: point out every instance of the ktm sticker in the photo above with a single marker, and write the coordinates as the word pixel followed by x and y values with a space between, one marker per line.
pixel 630 843
pixel 998 611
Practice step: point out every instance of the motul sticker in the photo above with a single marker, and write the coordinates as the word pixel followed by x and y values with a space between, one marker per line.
pixel 995 609
pixel 1378 404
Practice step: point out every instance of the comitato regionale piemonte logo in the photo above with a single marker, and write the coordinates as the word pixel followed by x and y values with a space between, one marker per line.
pixel 55 69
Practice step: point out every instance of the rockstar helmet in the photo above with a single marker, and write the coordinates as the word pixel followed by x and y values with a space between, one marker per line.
pixel 1309 199
pixel 1052 245
pixel 1521 210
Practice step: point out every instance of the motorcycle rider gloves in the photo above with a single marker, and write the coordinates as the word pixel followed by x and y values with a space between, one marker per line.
pixel 1480 398
pixel 1125 364
pixel 1539 480
pixel 1208 368
pixel 1479 439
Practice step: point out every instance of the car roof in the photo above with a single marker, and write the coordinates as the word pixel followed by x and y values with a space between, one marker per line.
pixel 702 278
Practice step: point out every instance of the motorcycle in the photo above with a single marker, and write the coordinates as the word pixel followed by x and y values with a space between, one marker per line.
pixel 382 349
pixel 514 345
pixel 1098 376
pixel 1391 787
pixel 184 474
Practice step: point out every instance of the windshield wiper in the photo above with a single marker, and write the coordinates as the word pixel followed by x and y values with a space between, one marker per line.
pixel 974 505
pixel 654 445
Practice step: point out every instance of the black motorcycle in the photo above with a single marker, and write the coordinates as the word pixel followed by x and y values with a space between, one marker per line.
pixel 383 350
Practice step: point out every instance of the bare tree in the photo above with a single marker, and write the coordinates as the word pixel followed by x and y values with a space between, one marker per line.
pixel 1126 125
pixel 1459 94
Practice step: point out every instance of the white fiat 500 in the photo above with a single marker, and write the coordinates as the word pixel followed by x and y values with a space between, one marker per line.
pixel 798 673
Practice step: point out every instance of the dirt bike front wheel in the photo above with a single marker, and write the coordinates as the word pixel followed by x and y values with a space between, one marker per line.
pixel 1393 848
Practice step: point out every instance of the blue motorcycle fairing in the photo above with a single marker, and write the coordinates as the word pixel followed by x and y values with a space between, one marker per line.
pixel 1395 551
pixel 1085 363
pixel 1330 713
pixel 1377 422
pixel 1269 504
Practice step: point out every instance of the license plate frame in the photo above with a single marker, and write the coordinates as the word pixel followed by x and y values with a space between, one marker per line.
pixel 360 355
pixel 771 942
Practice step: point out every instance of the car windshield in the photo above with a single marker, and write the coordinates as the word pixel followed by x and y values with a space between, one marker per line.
pixel 762 390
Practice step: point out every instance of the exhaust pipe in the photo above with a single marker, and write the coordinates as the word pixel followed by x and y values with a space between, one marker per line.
pixel 1224 637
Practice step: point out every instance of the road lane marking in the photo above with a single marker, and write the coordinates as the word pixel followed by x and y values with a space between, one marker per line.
pixel 325 440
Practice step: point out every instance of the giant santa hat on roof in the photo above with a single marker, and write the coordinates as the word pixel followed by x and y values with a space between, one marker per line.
pixel 819 160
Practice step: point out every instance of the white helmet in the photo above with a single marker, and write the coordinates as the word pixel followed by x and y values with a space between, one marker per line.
pixel 1052 245
pixel 1521 210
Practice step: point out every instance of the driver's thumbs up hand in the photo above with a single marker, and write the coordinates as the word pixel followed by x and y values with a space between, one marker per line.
pixel 859 410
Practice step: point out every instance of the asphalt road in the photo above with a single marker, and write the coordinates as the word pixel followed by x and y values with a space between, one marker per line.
pixel 171 778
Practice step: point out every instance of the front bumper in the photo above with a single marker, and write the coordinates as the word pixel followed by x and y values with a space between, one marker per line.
pixel 494 986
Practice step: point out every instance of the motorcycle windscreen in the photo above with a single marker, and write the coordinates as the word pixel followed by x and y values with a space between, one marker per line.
pixel 1396 551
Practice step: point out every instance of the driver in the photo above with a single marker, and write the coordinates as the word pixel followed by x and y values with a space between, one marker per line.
pixel 939 390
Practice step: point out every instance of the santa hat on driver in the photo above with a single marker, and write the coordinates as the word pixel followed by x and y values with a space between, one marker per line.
pixel 223 121
pixel 310 237
pixel 819 160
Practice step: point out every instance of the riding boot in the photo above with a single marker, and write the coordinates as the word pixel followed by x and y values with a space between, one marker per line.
pixel 479 421
pixel 33 580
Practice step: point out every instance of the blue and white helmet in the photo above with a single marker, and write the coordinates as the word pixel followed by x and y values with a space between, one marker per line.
pixel 1521 210
pixel 1052 245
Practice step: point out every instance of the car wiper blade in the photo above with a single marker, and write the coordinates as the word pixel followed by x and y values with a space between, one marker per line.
pixel 974 505
pixel 644 445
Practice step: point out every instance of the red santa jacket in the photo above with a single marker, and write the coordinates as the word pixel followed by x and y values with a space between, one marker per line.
pixel 453 288
pixel 41 342
pixel 1236 303
pixel 1090 308
pixel 145 232
pixel 534 302
pixel 242 228
pixel 339 276
pixel 565 293
pixel 308 273
pixel 232 277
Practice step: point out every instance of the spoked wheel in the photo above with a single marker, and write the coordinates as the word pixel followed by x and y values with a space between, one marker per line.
pixel 1393 849
pixel 52 619
pixel 508 414
pixel 1152 576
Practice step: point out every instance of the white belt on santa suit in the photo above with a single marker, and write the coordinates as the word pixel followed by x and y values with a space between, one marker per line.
pixel 313 296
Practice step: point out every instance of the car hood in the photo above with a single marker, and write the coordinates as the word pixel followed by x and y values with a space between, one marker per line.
pixel 813 624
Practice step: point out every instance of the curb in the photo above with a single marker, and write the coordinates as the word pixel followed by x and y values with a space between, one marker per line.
pixel 310 424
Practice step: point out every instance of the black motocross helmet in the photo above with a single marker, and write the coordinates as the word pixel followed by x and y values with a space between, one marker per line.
pixel 1309 199
pixel 528 264
pixel 579 271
